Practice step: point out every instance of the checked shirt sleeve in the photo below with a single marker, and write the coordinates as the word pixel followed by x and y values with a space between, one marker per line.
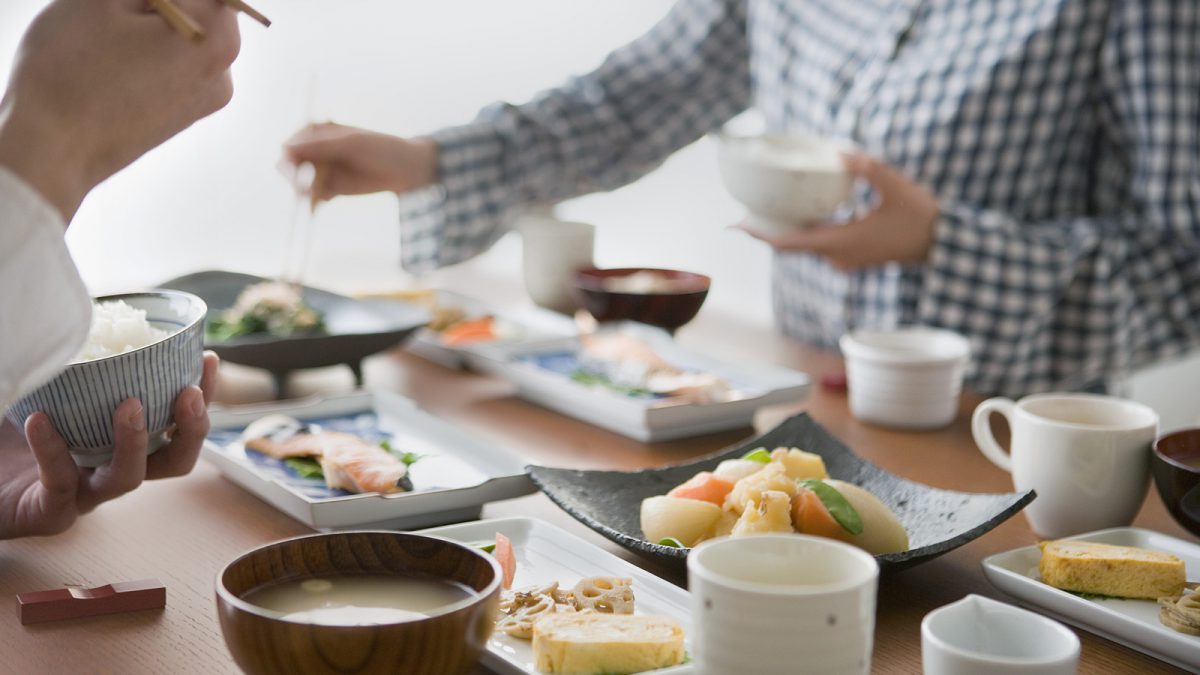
pixel 1061 304
pixel 682 79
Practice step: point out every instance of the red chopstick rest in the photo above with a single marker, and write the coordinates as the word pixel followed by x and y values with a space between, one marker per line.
pixel 74 603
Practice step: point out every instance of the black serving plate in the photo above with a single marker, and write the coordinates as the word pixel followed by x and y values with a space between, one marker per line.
pixel 937 521
pixel 354 329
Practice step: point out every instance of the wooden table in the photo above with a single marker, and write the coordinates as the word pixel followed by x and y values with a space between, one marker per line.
pixel 184 530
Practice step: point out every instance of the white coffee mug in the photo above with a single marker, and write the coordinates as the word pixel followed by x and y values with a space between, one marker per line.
pixel 552 251
pixel 781 603
pixel 1086 456
pixel 981 636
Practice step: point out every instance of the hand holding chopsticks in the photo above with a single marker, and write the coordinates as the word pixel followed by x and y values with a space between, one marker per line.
pixel 187 26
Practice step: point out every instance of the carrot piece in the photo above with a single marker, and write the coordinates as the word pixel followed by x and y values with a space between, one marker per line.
pixel 704 486
pixel 506 558
pixel 809 516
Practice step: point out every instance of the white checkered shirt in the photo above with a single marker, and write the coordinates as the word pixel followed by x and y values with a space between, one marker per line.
pixel 1059 135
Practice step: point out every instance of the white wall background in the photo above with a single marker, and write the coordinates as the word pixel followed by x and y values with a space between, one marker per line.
pixel 211 198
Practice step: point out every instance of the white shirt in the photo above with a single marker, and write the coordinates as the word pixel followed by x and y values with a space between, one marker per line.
pixel 45 310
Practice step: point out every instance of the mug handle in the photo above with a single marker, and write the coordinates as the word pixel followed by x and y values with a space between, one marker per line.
pixel 981 429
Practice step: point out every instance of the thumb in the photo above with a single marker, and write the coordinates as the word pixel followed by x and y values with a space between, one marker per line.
pixel 882 176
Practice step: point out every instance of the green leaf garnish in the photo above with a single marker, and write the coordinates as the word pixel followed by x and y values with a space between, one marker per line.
pixel 483 545
pixel 758 455
pixel 409 458
pixel 386 444
pixel 671 541
pixel 595 380
pixel 305 467
pixel 841 510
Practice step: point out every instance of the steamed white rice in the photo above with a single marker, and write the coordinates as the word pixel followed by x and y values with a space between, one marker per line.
pixel 117 328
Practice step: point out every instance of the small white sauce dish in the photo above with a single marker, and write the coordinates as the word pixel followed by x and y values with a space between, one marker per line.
pixel 981 636
pixel 907 378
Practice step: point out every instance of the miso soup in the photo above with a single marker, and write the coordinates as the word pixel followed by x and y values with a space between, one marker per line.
pixel 358 600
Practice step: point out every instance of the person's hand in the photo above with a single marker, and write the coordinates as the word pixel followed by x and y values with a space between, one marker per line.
pixel 359 162
pixel 43 491
pixel 898 229
pixel 97 83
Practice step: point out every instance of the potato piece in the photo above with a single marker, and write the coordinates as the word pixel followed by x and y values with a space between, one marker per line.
pixel 688 520
pixel 800 464
pixel 882 530
pixel 773 476
pixel 771 513
pixel 737 469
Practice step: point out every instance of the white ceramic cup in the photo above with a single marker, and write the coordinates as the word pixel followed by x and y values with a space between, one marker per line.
pixel 908 378
pixel 781 603
pixel 981 636
pixel 552 252
pixel 1086 456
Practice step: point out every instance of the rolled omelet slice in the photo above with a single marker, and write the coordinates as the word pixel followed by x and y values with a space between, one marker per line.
pixel 586 644
pixel 1106 569
pixel 882 530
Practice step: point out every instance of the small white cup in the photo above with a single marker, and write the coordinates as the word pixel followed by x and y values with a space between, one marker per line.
pixel 908 378
pixel 552 252
pixel 981 636
pixel 781 603
pixel 1086 456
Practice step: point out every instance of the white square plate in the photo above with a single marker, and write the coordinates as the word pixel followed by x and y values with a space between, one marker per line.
pixel 546 553
pixel 1133 623
pixel 456 475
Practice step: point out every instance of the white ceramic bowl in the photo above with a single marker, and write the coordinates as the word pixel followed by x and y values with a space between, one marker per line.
pixel 786 181
pixel 908 378
pixel 81 400
pixel 980 636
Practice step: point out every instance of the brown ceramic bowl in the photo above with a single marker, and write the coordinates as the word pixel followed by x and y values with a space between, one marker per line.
pixel 658 297
pixel 1175 464
pixel 447 642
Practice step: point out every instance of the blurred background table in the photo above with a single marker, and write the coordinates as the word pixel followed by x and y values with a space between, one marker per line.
pixel 184 531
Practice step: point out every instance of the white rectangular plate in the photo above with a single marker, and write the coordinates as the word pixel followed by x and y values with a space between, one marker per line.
pixel 546 553
pixel 527 325
pixel 455 477
pixel 1133 623
pixel 540 372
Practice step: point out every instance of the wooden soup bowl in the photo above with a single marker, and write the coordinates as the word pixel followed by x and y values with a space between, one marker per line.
pixel 447 642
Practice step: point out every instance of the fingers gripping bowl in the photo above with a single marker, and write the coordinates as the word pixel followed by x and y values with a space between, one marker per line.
pixel 80 400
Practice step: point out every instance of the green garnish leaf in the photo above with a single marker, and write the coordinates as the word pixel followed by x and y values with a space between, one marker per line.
pixel 596 380
pixel 841 510
pixel 758 455
pixel 671 541
pixel 483 545
pixel 305 467
pixel 410 458
pixel 386 444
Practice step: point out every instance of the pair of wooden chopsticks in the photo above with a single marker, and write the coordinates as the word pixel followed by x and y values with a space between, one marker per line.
pixel 188 27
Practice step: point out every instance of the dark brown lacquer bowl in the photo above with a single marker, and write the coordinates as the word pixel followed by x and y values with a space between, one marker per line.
pixel 445 643
pixel 676 304
pixel 1176 468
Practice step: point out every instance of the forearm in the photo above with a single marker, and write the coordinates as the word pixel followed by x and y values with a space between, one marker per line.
pixel 42 157
pixel 685 77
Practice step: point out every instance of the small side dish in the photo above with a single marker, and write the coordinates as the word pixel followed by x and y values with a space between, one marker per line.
pixel 343 460
pixel 628 364
pixel 268 307
pixel 589 629
pixel 784 490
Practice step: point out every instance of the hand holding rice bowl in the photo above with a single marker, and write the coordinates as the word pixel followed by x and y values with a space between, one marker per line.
pixel 148 346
